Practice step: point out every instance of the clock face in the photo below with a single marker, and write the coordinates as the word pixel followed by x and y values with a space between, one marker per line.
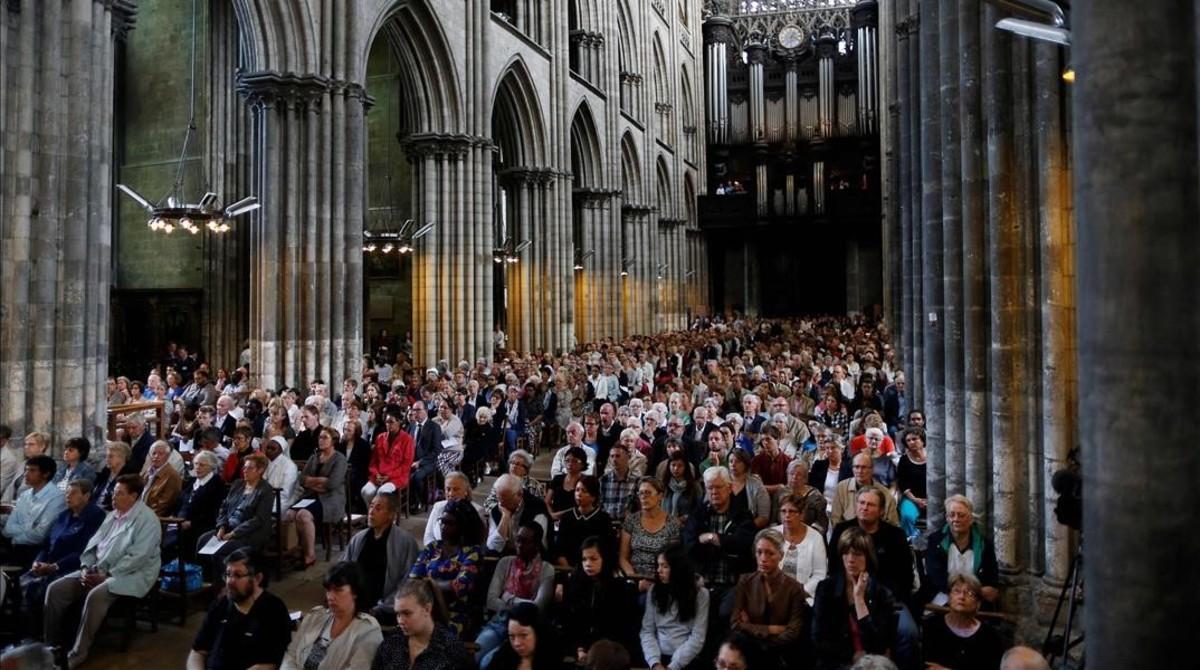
pixel 790 37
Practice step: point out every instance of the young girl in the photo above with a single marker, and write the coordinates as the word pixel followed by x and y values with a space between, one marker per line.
pixel 596 605
pixel 675 622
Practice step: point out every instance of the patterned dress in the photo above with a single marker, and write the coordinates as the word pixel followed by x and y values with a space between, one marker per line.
pixel 645 546
pixel 459 568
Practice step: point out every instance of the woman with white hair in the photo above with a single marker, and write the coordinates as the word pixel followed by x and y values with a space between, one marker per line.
pixel 480 438
pixel 882 464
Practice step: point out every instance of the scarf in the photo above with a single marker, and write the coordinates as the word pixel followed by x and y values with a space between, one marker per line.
pixel 678 488
pixel 522 580
pixel 976 545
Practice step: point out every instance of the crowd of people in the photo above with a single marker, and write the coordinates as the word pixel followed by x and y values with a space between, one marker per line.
pixel 751 489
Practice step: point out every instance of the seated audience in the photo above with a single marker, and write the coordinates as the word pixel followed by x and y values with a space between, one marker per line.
pixel 336 636
pixel 853 613
pixel 958 639
pixel 422 639
pixel 68 536
pixel 595 604
pixel 910 481
pixel 812 503
pixel 804 556
pixel 845 500
pixel 647 533
pixel 769 605
pixel 830 467
pixel 520 462
pixel 247 626
pixel 282 473
pixel 74 464
pixel 638 463
pixel 358 452
pixel 385 553
pixel 770 463
pixel 1023 658
pixel 718 451
pixel 322 484
pixel 585 520
pixel 574 439
pixel 719 537
pixel 456 487
pixel 121 559
pixel 391 457
pixel 516 507
pixel 163 483
pixel 200 503
pixel 37 507
pixel 116 463
pixel 683 491
pixel 245 516
pixel 747 490
pixel 960 546
pixel 523 578
pixel 619 483
pixel 453 561
pixel 675 621
pixel 560 494
pixel 530 644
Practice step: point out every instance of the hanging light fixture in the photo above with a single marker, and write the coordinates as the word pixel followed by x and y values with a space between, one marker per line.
pixel 509 250
pixel 174 210
pixel 581 256
pixel 400 241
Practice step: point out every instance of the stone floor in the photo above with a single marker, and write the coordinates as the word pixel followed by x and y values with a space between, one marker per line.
pixel 168 648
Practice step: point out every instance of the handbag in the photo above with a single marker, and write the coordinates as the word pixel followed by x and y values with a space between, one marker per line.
pixel 193 579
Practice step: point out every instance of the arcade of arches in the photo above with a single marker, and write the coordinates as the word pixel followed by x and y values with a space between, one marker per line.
pixel 584 171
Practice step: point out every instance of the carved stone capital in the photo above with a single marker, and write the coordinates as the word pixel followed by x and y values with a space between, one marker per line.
pixel 271 89
pixel 440 145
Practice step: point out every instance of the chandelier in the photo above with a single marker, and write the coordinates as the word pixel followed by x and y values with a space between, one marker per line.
pixel 400 241
pixel 174 210
pixel 509 250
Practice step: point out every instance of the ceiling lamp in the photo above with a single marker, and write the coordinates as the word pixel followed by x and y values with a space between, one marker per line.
pixel 1042 20
pixel 400 241
pixel 509 251
pixel 581 256
pixel 174 211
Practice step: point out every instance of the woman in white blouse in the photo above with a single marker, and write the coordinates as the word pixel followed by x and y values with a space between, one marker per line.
pixel 803 547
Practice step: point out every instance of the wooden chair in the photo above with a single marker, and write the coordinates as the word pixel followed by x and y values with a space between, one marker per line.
pixel 274 550
pixel 181 594
pixel 342 526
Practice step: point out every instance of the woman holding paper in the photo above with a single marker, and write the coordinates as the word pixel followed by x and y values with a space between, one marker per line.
pixel 323 497
pixel 245 516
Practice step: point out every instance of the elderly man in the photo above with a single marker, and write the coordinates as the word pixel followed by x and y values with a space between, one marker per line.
pixel 673 435
pixel 845 497
pixel 574 439
pixel 794 428
pixel 163 483
pixel 121 559
pixel 515 508
pixel 427 436
pixel 36 508
pixel 68 536
pixel 618 485
pixel 458 487
pixel 224 420
pixel 696 435
pixel 752 420
pixel 608 433
pixel 893 558
pixel 140 440
pixel 719 536
pixel 385 553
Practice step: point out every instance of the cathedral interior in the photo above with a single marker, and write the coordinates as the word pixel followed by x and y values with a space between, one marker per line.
pixel 999 197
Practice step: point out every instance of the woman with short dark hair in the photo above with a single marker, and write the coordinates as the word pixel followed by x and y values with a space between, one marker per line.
pixel 853 613
pixel 336 636
pixel 585 520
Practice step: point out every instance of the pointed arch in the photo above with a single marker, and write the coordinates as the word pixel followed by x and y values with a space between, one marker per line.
pixel 586 158
pixel 665 204
pixel 278 35
pixel 662 88
pixel 517 125
pixel 626 37
pixel 686 104
pixel 631 170
pixel 689 199
pixel 429 74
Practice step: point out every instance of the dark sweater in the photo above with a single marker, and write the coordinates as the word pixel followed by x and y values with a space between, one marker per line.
pixel 981 651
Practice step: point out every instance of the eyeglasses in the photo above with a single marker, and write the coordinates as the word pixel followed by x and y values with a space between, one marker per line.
pixel 965 593
pixel 236 575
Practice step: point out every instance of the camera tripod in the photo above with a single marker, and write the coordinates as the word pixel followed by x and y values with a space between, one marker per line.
pixel 1060 644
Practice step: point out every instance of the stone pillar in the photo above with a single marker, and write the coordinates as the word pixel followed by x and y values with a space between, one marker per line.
pixel 308 132
pixel 976 419
pixel 56 213
pixel 952 255
pixel 907 109
pixel 1135 130
pixel 933 379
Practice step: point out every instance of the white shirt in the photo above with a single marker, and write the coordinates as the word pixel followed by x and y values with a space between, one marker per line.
pixel 433 527
pixel 282 474
pixel 960 562
pixel 806 561
pixel 559 465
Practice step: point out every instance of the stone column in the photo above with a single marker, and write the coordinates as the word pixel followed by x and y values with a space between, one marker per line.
pixel 952 255
pixel 905 139
pixel 306 241
pixel 933 378
pixel 1135 129
pixel 976 419
pixel 56 211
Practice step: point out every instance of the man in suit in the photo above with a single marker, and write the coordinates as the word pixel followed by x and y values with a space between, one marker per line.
pixel 163 483
pixel 121 559
pixel 695 438
pixel 428 437
pixel 140 439
pixel 608 433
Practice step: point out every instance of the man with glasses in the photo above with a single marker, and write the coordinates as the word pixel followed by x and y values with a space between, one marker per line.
pixel 674 434
pixel 246 627
pixel 719 538
pixel 845 497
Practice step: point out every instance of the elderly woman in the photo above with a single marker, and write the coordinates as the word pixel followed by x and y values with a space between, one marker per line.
pixel 520 462
pixel 748 492
pixel 959 639
pixel 116 463
pixel 74 465
pixel 803 546
pixel 163 483
pixel 322 497
pixel 769 605
pixel 853 613
pixel 480 438
pixel 910 480
pixel 961 546
pixel 882 464
pixel 200 501
pixel 647 532
pixel 245 516
pixel 831 465
pixel 336 636
pixel 452 435
pixel 813 509
pixel 637 460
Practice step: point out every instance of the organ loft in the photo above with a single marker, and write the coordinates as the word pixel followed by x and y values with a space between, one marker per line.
pixel 818 301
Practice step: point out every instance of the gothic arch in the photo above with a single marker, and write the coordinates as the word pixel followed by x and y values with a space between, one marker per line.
pixel 662 88
pixel 587 161
pixel 278 35
pixel 427 67
pixel 517 125
pixel 631 170
pixel 664 201
pixel 689 199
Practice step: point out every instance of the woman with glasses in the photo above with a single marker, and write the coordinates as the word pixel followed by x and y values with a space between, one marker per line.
pixel 323 495
pixel 337 636
pixel 958 639
pixel 961 546
pixel 245 516
pixel 803 546
pixel 647 533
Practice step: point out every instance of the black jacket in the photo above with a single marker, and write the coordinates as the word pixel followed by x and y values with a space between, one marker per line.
pixel 894 556
pixel 737 538
pixel 820 468
pixel 831 622
pixel 201 506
